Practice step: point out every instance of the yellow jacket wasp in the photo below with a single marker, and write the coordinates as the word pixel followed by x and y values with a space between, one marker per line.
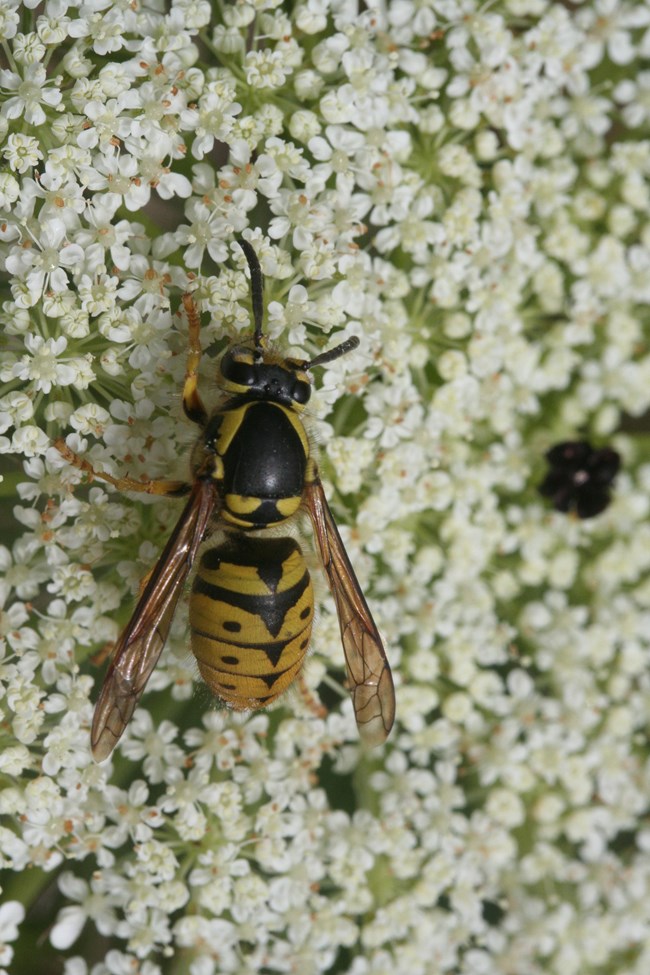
pixel 251 605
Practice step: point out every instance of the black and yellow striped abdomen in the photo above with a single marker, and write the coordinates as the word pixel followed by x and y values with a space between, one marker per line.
pixel 251 614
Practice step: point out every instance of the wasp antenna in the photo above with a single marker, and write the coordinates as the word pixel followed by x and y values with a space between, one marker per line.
pixel 257 289
pixel 334 353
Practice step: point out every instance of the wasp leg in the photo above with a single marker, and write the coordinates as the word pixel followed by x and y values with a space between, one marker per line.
pixel 145 486
pixel 309 698
pixel 192 402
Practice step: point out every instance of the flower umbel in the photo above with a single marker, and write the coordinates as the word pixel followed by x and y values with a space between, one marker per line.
pixel 464 189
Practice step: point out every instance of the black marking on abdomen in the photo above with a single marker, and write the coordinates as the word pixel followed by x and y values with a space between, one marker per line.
pixel 273 651
pixel 271 609
pixel 270 679
pixel 258 553
pixel 270 573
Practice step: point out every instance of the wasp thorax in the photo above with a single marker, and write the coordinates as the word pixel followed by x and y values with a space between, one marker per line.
pixel 248 372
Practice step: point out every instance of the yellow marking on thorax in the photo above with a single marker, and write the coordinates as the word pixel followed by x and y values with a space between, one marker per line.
pixel 241 504
pixel 299 427
pixel 232 421
pixel 288 506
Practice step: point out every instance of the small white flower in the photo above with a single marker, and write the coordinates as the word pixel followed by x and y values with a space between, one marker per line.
pixel 30 92
pixel 46 266
pixel 104 29
pixel 12 914
pixel 9 22
pixel 214 118
pixel 97 296
pixel 22 152
pixel 266 69
pixel 44 364
pixel 610 25
pixel 28 48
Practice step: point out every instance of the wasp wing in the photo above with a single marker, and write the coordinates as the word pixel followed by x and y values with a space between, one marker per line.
pixel 371 683
pixel 141 643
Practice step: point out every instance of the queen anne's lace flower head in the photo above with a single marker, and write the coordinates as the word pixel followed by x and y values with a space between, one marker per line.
pixel 464 188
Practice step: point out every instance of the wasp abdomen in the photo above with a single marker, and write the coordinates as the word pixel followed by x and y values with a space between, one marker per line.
pixel 251 614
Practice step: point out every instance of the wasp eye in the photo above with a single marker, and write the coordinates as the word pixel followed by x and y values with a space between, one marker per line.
pixel 301 393
pixel 236 371
pixel 242 373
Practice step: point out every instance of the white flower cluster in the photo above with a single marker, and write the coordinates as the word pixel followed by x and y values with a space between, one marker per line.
pixel 466 188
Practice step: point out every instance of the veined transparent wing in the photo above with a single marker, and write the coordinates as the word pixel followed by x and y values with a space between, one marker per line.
pixel 141 643
pixel 371 683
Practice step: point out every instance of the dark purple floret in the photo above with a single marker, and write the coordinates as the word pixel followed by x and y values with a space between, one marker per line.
pixel 580 477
